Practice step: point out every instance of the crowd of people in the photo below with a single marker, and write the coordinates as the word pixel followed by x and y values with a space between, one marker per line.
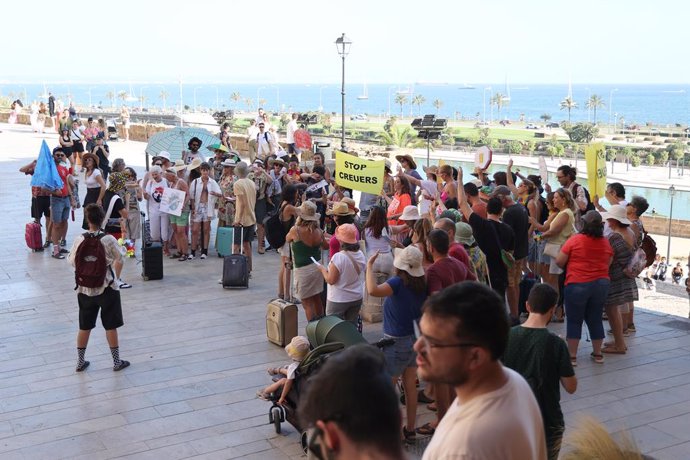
pixel 448 255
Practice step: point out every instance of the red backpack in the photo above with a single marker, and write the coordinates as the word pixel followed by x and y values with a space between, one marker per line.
pixel 90 266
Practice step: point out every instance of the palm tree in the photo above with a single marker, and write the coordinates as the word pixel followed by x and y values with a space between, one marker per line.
pixel 546 117
pixel 236 97
pixel 593 103
pixel 400 136
pixel 498 100
pixel 438 103
pixel 164 95
pixel 249 103
pixel 122 95
pixel 262 102
pixel 401 99
pixel 418 100
pixel 111 95
pixel 569 104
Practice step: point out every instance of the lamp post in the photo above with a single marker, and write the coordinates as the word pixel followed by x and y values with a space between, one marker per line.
pixel 141 98
pixel 258 92
pixel 611 104
pixel 277 98
pixel 484 103
pixel 389 99
pixel 195 88
pixel 671 193
pixel 343 46
pixel 90 88
pixel 321 97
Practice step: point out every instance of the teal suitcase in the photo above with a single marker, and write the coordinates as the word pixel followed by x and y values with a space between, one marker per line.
pixel 224 237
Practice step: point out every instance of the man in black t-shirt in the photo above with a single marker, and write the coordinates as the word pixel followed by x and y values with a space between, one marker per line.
pixel 516 217
pixel 491 235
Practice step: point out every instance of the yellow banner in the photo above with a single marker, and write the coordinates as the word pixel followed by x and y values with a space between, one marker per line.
pixel 359 174
pixel 595 154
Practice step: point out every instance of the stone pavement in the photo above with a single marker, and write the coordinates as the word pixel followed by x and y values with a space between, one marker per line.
pixel 199 354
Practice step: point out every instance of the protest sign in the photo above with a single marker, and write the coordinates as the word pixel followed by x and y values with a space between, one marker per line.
pixel 483 157
pixel 595 155
pixel 543 171
pixel 172 201
pixel 358 173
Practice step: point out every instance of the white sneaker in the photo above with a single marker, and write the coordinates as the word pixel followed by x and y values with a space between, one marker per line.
pixel 203 256
pixel 190 257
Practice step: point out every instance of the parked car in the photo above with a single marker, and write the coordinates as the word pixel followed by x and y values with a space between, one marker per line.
pixel 553 125
pixel 359 117
pixel 531 126
pixel 505 122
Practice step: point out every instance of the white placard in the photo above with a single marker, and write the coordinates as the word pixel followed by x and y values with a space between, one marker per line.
pixel 543 172
pixel 172 201
pixel 483 157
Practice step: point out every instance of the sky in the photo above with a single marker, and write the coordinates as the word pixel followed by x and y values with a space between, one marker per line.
pixel 289 41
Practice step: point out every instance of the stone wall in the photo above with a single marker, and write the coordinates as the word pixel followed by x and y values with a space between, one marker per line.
pixel 659 226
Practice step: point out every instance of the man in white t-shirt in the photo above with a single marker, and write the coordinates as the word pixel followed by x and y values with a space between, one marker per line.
pixel 461 337
pixel 265 145
pixel 291 128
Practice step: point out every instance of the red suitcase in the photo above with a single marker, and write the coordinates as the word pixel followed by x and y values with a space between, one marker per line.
pixel 34 239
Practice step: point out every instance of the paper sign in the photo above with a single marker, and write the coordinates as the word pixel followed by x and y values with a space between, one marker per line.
pixel 543 171
pixel 595 154
pixel 172 201
pixel 359 174
pixel 483 157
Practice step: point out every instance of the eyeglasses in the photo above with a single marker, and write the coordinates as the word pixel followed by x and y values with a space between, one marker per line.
pixel 428 344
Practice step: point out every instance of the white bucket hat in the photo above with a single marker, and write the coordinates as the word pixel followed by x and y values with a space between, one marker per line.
pixel 617 212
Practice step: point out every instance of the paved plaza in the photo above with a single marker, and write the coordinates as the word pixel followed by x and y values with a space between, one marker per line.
pixel 199 354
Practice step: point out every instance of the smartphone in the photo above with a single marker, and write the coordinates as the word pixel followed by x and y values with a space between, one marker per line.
pixel 316 261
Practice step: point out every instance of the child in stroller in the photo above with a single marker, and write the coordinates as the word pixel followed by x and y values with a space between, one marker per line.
pixel 297 349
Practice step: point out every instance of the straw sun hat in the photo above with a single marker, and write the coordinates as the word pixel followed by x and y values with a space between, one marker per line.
pixel 307 211
pixel 409 260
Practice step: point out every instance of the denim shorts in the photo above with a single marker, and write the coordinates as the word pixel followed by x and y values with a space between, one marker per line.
pixel 400 355
pixel 59 208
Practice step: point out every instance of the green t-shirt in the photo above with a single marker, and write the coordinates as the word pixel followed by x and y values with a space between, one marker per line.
pixel 542 358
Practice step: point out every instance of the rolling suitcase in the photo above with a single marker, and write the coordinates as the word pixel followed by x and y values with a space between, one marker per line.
pixel 281 321
pixel 224 237
pixel 151 254
pixel 33 236
pixel 236 269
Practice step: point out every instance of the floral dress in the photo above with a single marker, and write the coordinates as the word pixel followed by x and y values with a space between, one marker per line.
pixel 226 209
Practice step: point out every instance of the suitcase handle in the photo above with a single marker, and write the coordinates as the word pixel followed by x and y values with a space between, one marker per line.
pixel 241 238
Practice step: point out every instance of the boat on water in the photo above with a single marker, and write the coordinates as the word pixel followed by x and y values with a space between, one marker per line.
pixel 466 86
pixel 365 95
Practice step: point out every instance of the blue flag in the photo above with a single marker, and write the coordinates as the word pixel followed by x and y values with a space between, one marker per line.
pixel 46 173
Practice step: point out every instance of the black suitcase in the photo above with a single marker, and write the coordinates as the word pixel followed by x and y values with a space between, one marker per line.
pixel 151 254
pixel 526 284
pixel 236 269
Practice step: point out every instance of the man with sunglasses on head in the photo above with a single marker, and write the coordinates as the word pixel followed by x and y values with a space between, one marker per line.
pixel 352 409
pixel 461 337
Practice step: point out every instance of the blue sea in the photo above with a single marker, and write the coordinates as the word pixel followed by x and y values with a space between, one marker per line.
pixel 635 104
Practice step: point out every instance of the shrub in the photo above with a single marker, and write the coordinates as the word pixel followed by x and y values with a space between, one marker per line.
pixel 669 141
pixel 529 145
pixel 618 138
pixel 661 156
pixel 648 138
pixel 650 159
pixel 610 154
pixel 635 161
pixel 514 147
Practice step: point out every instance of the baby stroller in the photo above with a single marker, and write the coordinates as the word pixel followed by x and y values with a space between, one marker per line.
pixel 112 130
pixel 326 335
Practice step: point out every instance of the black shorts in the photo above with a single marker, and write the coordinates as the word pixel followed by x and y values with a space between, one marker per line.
pixel 246 233
pixel 108 303
pixel 260 210
pixel 78 147
pixel 40 206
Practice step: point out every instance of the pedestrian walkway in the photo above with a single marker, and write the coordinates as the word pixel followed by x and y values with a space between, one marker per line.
pixel 199 354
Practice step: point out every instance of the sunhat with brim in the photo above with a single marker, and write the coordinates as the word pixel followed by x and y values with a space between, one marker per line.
pixel 307 211
pixel 340 209
pixel 175 169
pixel 298 348
pixel 350 204
pixel 409 260
pixel 196 162
pixel 410 213
pixel 463 234
pixel 617 212
pixel 230 163
pixel 92 156
pixel 163 154
pixel 220 147
pixel 346 233
pixel 433 169
pixel 408 158
pixel 275 161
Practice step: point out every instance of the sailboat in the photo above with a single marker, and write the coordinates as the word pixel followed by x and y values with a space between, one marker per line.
pixel 45 94
pixel 365 95
pixel 506 98
pixel 131 97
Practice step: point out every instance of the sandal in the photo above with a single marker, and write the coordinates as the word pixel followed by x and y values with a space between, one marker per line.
pixel 58 256
pixel 409 437
pixel 426 430
pixel 261 395
pixel 613 345
pixel 613 351
pixel 273 370
pixel 599 359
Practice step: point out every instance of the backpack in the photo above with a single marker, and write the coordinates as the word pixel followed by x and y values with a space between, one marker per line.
pixel 649 247
pixel 90 266
pixel 275 231
pixel 544 211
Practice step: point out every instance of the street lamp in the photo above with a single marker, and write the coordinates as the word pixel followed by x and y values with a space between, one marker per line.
pixel 90 88
pixel 671 193
pixel 321 97
pixel 389 99
pixel 196 88
pixel 277 97
pixel 258 91
pixel 484 103
pixel 611 104
pixel 141 98
pixel 343 44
